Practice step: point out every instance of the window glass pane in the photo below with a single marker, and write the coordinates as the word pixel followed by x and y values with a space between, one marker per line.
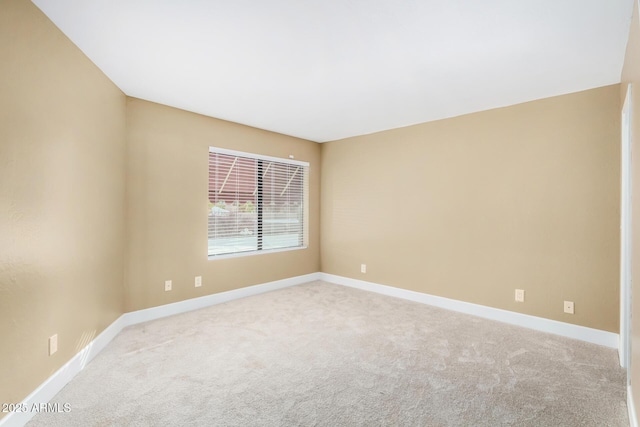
pixel 232 204
pixel 283 206
pixel 254 203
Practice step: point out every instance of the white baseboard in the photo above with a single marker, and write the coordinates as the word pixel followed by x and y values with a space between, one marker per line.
pixel 153 313
pixel 48 389
pixel 595 336
pixel 633 418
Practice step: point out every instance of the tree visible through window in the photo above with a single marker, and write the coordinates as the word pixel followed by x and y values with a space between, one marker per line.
pixel 256 203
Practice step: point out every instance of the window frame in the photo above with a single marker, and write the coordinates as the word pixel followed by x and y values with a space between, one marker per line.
pixel 305 202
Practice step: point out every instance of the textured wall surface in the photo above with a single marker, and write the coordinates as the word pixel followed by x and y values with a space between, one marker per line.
pixel 473 207
pixel 167 175
pixel 62 170
pixel 103 198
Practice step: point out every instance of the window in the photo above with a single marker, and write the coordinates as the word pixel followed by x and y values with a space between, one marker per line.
pixel 256 203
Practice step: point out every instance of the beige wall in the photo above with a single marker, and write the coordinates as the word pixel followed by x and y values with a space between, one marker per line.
pixel 468 208
pixel 631 74
pixel 167 205
pixel 64 159
pixel 473 207
pixel 62 134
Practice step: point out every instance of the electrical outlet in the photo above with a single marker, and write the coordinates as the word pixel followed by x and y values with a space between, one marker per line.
pixel 568 307
pixel 520 295
pixel 53 344
pixel 167 285
pixel 363 268
pixel 198 281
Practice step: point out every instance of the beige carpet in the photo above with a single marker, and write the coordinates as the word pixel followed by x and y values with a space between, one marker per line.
pixel 325 355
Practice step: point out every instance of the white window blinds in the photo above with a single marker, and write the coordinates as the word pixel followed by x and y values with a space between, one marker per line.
pixel 256 203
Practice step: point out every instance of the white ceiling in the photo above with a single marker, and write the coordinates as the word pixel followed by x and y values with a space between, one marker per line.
pixel 329 69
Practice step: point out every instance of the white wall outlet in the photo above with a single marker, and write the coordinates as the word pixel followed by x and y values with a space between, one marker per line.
pixel 167 285
pixel 568 307
pixel 363 268
pixel 520 295
pixel 53 344
pixel 198 281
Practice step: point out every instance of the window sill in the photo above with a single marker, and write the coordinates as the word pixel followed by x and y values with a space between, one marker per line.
pixel 251 253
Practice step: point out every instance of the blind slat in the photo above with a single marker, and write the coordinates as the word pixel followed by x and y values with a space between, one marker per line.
pixel 234 192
